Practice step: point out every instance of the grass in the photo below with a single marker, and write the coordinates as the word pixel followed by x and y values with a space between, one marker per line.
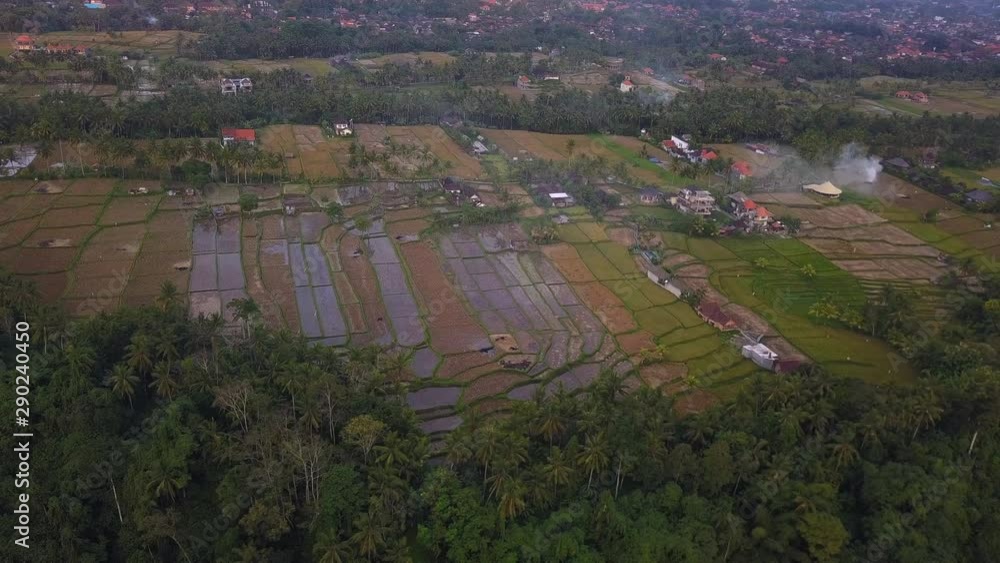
pixel 594 231
pixel 620 257
pixel 571 233
pixel 635 160
pixel 708 250
pixel 633 297
pixel 658 321
pixel 692 349
pixel 971 177
pixel 597 263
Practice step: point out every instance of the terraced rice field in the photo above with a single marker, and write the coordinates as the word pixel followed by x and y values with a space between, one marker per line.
pixel 307 151
pixel 92 247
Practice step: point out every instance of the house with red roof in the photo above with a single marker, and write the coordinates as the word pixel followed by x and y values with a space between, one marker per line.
pixel 523 82
pixel 717 57
pixel 627 85
pixel 24 43
pixel 238 136
pixel 742 169
pixel 708 155
pixel 712 313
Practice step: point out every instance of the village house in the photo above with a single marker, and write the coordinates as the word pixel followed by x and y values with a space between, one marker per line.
pixel 523 82
pixel 343 128
pixel 919 97
pixel 237 86
pixel 627 85
pixel 712 313
pixel 561 199
pixel 695 201
pixel 238 136
pixel 761 355
pixel 979 197
pixel 742 170
pixel 650 196
pixel 24 43
pixel 752 215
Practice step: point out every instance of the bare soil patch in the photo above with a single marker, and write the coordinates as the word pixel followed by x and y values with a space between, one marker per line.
pixel 71 217
pixel 131 209
pixel 490 385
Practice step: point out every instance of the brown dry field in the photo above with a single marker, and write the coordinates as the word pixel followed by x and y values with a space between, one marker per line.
pixel 407 214
pixel 606 305
pixel 313 155
pixel 452 329
pixel 102 186
pixel 365 285
pixel 50 286
pixel 409 227
pixel 492 384
pixel 882 232
pixel 15 187
pixel 72 216
pixel 566 258
pixel 836 217
pixel 491 406
pixel 635 342
pixel 658 374
pixel 13 233
pixel 455 364
pixel 42 260
pixel 130 209
pixel 429 137
pixel 58 237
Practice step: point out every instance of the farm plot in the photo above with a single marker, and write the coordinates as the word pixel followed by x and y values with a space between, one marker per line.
pixel 613 149
pixel 307 151
pixel 157 42
pixel 521 300
pixel 416 151
pixel 165 255
pixel 452 329
pixel 216 268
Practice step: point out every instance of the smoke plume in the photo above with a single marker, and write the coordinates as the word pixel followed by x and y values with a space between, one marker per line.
pixel 854 166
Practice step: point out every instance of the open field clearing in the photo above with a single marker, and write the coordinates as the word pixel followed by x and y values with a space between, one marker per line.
pixel 313 66
pixel 417 151
pixel 419 57
pixel 307 151
pixel 956 231
pixel 546 146
pixel 157 42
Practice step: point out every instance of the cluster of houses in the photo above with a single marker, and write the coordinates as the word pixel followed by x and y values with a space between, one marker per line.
pixel 27 44
pixel 919 97
pixel 233 86
pixel 681 147
pixel 461 192
pixel 752 217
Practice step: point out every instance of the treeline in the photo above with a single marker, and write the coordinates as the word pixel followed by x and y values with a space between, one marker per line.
pixel 729 115
pixel 718 116
pixel 160 438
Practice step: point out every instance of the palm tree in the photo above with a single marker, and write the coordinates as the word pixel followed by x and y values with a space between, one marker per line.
pixel 164 381
pixel 123 382
pixel 369 536
pixel 557 471
pixel 329 549
pixel 593 456
pixel 169 296
pixel 139 353
pixel 245 310
pixel 485 448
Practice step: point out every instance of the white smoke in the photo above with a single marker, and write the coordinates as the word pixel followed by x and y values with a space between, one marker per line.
pixel 854 166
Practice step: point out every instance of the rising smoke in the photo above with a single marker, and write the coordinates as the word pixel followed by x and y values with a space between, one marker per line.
pixel 854 166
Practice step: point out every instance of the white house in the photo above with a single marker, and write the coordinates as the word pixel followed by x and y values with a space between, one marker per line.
pixel 561 199
pixel 761 355
pixel 627 85
pixel 680 143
